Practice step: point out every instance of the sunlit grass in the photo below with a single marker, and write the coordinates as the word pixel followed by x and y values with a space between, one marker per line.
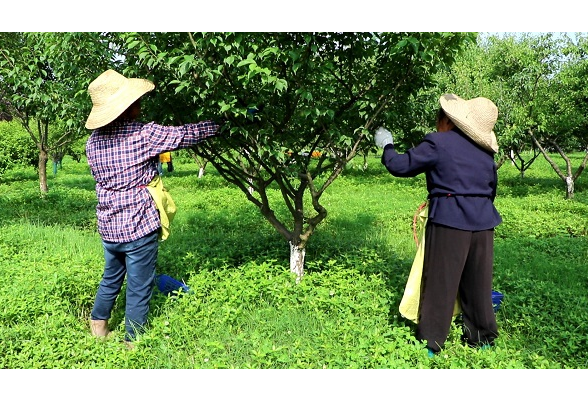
pixel 246 311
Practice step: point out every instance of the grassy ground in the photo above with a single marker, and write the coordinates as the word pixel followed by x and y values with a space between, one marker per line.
pixel 246 310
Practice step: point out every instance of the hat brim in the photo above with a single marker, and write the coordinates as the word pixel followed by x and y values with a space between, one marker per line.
pixel 475 118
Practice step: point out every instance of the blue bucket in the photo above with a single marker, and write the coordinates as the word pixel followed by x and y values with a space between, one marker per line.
pixel 496 300
pixel 166 284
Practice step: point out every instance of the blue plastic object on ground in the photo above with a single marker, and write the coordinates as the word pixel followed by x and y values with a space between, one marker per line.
pixel 496 300
pixel 166 284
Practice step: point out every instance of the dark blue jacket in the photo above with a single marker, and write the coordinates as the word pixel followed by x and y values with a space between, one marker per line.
pixel 461 179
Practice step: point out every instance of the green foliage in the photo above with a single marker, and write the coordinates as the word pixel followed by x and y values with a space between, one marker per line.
pixel 537 82
pixel 282 97
pixel 44 80
pixel 246 310
pixel 306 88
pixel 16 146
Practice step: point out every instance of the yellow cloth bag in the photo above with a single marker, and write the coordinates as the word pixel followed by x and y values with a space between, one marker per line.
pixel 165 205
pixel 409 305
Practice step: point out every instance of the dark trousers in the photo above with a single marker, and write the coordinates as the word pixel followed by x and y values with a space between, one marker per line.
pixel 457 262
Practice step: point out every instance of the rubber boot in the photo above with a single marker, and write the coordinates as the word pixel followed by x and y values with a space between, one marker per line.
pixel 99 327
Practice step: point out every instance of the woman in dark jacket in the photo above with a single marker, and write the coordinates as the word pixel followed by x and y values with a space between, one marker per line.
pixel 461 175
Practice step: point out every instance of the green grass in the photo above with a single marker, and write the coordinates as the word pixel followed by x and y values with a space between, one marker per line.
pixel 246 311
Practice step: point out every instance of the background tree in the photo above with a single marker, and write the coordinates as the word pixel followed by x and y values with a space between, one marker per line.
pixel 200 161
pixel 564 127
pixel 467 77
pixel 41 76
pixel 536 80
pixel 513 71
pixel 521 67
pixel 285 97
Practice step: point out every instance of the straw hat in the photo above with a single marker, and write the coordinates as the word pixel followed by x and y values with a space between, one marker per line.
pixel 111 95
pixel 475 117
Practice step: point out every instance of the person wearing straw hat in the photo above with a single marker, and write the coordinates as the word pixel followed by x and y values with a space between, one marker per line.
pixel 123 154
pixel 461 178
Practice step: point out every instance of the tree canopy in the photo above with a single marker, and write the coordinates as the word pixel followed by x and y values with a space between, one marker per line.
pixel 296 107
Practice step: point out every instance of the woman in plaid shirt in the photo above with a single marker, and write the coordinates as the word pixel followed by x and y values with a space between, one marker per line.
pixel 123 155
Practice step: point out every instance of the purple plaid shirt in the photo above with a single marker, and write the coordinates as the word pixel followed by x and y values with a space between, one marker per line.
pixel 123 160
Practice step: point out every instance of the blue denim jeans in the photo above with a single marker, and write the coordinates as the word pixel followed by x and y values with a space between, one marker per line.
pixel 137 261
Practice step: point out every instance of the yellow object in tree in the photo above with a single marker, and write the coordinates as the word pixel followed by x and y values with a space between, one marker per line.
pixel 165 205
pixel 409 305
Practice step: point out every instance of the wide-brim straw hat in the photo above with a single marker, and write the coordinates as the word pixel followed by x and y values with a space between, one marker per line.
pixel 111 95
pixel 476 118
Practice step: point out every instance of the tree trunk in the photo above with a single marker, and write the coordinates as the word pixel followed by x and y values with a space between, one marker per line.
pixel 43 157
pixel 569 187
pixel 202 163
pixel 297 260
pixel 568 178
pixel 250 189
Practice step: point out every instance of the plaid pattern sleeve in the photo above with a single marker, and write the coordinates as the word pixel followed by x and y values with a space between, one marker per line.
pixel 123 159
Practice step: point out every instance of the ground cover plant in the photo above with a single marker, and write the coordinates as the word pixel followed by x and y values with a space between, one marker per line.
pixel 246 310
